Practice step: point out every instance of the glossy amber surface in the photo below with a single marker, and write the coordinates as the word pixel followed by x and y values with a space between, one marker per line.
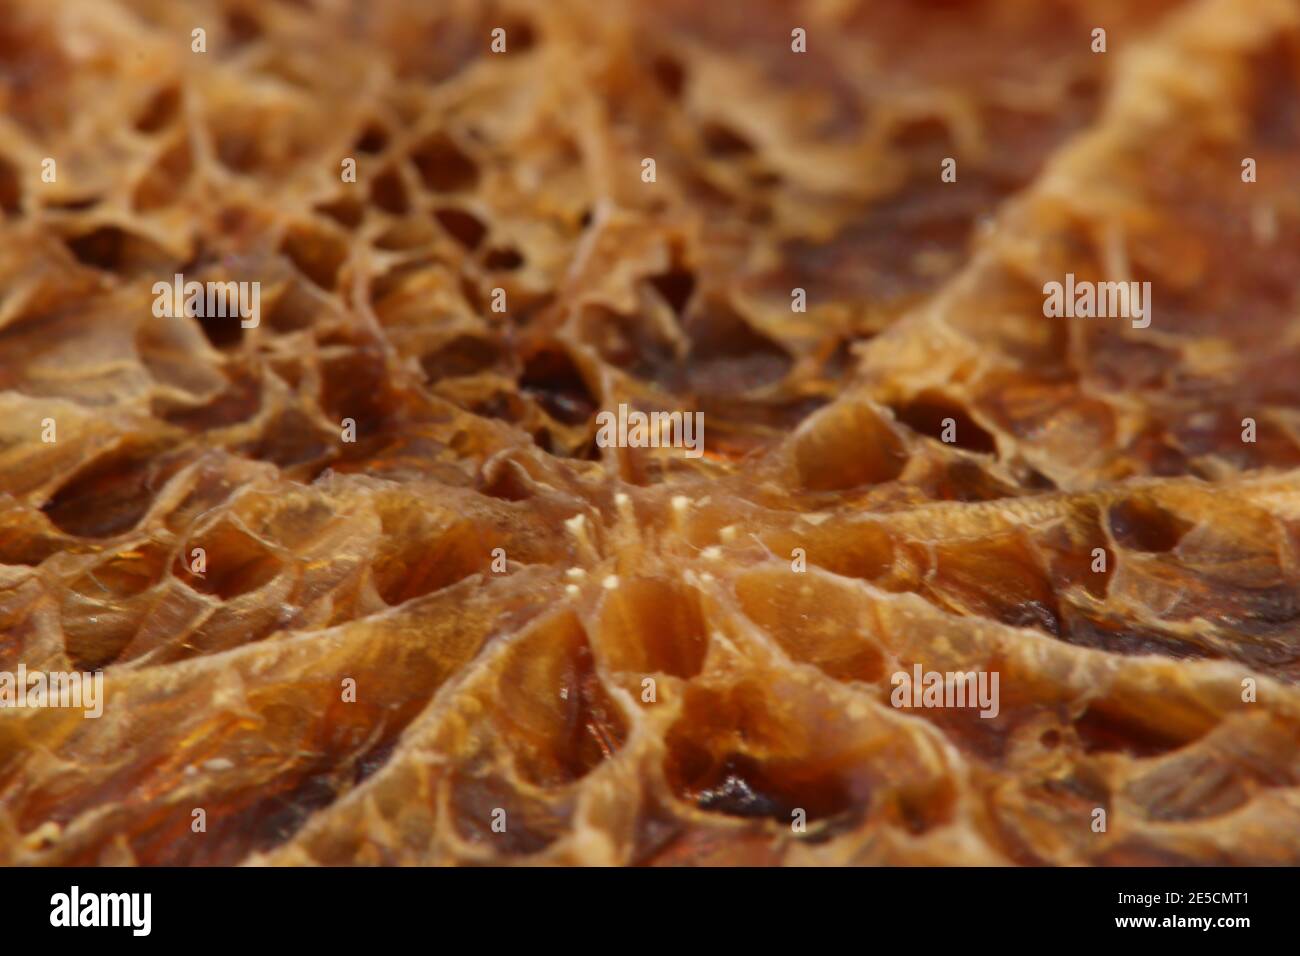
pixel 371 561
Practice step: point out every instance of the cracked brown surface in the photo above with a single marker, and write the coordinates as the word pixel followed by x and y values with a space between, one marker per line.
pixel 522 691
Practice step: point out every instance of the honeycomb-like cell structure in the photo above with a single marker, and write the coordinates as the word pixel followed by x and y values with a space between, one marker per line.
pixel 475 612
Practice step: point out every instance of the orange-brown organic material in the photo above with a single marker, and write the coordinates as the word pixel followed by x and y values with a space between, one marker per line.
pixel 649 680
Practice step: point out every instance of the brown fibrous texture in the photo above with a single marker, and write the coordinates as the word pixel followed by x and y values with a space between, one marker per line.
pixel 348 679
